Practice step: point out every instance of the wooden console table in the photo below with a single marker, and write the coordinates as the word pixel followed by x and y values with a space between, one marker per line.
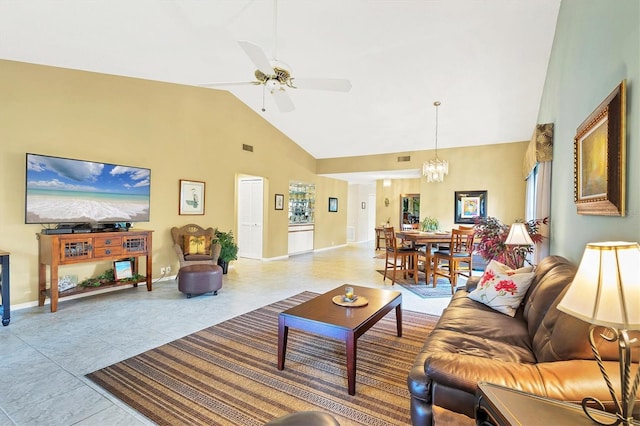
pixel 68 249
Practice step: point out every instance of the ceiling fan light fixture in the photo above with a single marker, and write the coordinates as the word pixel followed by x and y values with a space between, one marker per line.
pixel 435 169
pixel 275 75
pixel 272 84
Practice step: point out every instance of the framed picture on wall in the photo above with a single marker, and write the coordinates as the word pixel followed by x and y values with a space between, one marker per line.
pixel 599 158
pixel 279 201
pixel 468 205
pixel 333 204
pixel 191 197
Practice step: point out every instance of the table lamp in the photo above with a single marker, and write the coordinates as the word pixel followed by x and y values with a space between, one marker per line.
pixel 606 292
pixel 520 241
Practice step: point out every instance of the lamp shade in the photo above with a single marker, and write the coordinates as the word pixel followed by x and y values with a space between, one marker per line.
pixel 518 235
pixel 606 288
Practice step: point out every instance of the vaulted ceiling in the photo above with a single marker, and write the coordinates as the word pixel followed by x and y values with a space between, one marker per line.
pixel 485 60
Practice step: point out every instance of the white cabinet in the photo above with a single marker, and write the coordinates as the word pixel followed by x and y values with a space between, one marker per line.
pixel 300 238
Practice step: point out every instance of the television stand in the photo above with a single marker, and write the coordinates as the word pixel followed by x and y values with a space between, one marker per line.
pixel 57 250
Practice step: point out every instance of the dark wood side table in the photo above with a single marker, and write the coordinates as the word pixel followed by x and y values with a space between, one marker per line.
pixel 500 406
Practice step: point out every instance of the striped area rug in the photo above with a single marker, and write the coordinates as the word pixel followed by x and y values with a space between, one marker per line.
pixel 426 291
pixel 226 374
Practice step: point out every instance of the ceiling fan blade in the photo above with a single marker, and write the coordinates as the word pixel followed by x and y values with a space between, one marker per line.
pixel 283 101
pixel 257 56
pixel 230 83
pixel 335 84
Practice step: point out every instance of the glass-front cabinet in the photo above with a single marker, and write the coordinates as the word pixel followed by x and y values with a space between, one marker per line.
pixel 302 200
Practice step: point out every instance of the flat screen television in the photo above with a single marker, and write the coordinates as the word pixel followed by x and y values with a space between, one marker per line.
pixel 68 191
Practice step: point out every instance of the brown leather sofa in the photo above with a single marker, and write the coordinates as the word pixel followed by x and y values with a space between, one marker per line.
pixel 541 351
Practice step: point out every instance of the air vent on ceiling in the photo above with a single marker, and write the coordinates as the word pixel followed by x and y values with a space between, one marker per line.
pixel 404 158
pixel 246 147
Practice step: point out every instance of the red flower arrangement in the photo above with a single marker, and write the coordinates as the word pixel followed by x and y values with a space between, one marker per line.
pixel 492 234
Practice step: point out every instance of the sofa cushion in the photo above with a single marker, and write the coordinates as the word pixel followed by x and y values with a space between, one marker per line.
pixel 198 257
pixel 197 245
pixel 562 337
pixel 467 327
pixel 502 288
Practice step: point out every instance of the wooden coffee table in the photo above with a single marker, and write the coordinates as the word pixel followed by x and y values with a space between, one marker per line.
pixel 321 316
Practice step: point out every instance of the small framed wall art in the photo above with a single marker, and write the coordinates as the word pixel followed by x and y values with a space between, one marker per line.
pixel 599 158
pixel 468 205
pixel 279 201
pixel 191 197
pixel 333 204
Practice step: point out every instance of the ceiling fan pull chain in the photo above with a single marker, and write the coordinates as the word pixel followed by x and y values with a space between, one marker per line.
pixel 264 88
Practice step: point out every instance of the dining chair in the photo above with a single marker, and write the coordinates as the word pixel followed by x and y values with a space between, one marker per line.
pixel 456 260
pixel 425 256
pixel 407 256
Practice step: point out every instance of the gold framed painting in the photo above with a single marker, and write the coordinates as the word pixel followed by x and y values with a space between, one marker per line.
pixel 599 158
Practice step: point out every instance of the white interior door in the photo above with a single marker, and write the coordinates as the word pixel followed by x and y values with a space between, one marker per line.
pixel 250 217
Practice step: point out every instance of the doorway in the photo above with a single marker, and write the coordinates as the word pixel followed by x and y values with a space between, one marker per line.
pixel 250 217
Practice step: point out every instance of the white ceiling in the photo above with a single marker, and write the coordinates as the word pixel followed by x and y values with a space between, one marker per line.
pixel 485 60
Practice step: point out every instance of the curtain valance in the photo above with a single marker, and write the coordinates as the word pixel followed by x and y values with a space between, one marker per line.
pixel 540 148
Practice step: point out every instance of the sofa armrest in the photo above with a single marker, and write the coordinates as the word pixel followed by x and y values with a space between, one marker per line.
pixel 569 381
pixel 472 283
pixel 465 371
pixel 576 379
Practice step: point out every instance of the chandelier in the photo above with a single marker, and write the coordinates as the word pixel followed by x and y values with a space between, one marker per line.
pixel 435 169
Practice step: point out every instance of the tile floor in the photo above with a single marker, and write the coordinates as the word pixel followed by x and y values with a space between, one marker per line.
pixel 44 356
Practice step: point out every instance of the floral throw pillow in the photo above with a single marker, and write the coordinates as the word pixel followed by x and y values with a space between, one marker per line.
pixel 502 288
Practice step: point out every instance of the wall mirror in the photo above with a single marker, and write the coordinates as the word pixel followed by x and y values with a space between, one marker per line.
pixel 410 210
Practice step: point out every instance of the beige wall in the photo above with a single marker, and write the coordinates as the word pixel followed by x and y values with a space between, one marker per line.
pixel 184 132
pixel 393 193
pixel 496 169
pixel 179 132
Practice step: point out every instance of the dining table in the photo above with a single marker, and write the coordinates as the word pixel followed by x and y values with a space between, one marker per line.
pixel 417 238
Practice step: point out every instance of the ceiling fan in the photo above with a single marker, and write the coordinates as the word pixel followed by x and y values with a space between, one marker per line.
pixel 275 76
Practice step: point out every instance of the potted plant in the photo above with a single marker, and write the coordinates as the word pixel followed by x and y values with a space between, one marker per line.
pixel 228 250
pixel 492 234
pixel 430 224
